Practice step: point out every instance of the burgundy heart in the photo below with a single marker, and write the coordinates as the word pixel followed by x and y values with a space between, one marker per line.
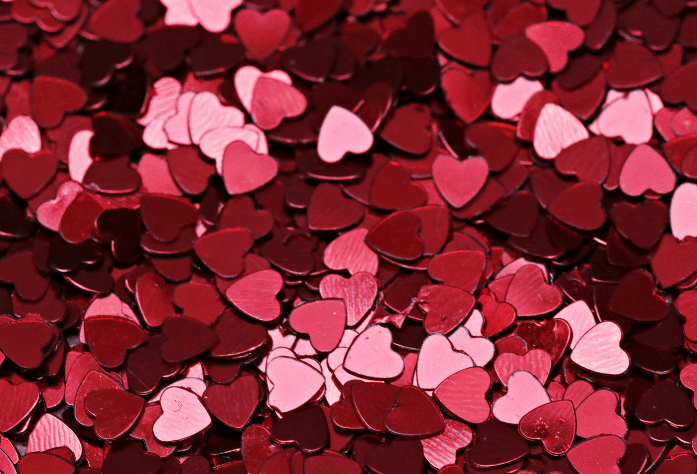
pixel 186 338
pixel 20 400
pixel 393 189
pixel 518 55
pixel 109 337
pixel 115 411
pixel 579 206
pixel 408 129
pixel 642 225
pixel 53 97
pixel 223 251
pixel 635 298
pixel 305 427
pixel 468 93
pixel 470 42
pixel 23 341
pixel 28 174
pixel 397 236
pixel 330 210
pixel 415 414
pixel 233 404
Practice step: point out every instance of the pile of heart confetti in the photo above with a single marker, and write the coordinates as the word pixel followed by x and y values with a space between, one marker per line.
pixel 348 236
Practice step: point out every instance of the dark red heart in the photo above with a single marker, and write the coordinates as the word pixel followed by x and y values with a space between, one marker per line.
pixel 115 411
pixel 330 210
pixel 371 402
pixel 397 236
pixel 223 251
pixel 642 225
pixel 305 427
pixel 165 216
pixel 110 337
pixel 53 97
pixel 186 338
pixel 446 307
pixel 579 206
pixel 652 407
pixel 23 341
pixel 233 404
pixel 518 55
pixel 408 129
pixel 393 189
pixel 415 414
pixel 27 174
pixel 635 298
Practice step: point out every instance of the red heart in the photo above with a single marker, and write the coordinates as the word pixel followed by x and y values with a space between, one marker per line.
pixel 273 100
pixel 393 189
pixel 462 269
pixel 635 298
pixel 244 170
pixel 165 216
pixel 652 409
pixel 673 261
pixel 109 337
pixel 416 39
pixel 189 171
pixel 496 143
pixel 414 415
pixel 310 14
pixel 261 33
pixel 358 292
pixel 255 295
pixel 536 361
pixel 330 210
pixel 446 307
pixel 240 212
pixel 27 174
pixel 675 86
pixel 552 336
pixel 118 21
pixel 186 338
pixel 597 415
pixel 470 42
pixel 441 450
pixel 53 97
pixel 323 320
pixel 397 236
pixel 459 181
pixel 631 66
pixel 371 402
pixel 498 316
pixel 36 463
pixel 463 394
pixel 237 336
pixel 400 456
pixel 516 216
pixel 115 411
pixel 23 341
pixel 233 404
pixel 257 447
pixel 642 225
pixel 223 251
pixel 518 55
pixel 468 92
pixel 579 206
pixel 553 423
pixel 408 129
pixel 19 402
pixel 530 295
pixel 588 160
pixel 289 429
pixel 154 298
pixel 580 13
pixel 599 455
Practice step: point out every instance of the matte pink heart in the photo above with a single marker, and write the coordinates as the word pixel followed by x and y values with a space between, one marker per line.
pixel 244 170
pixel 556 39
pixel 323 320
pixel 183 415
pixel 371 355
pixel 635 181
pixel 438 361
pixel 294 383
pixel 525 393
pixel 683 219
pixel 459 181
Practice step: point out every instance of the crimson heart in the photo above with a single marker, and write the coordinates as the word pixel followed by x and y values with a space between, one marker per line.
pixel 446 307
pixel 468 92
pixel 399 456
pixel 109 337
pixel 330 210
pixel 165 216
pixel 652 409
pixel 189 171
pixel 275 100
pixel 233 404
pixel 34 463
pixel 23 341
pixel 118 21
pixel 552 336
pixel 393 189
pixel 223 251
pixel 516 216
pixel 486 451
pixel 674 261
pixel 462 269
pixel 530 295
pixel 237 336
pixel 518 55
pixel 323 321
pixel 579 206
pixel 115 411
pixel 553 423
pixel 675 88
pixel 470 42
pixel 635 298
pixel 240 212
pixel 19 401
pixel 261 33
pixel 27 174
pixel 53 97
pixel 642 225
pixel 408 129
pixel 186 338
pixel 305 427
pixel 397 236
pixel 414 415
pixel 371 402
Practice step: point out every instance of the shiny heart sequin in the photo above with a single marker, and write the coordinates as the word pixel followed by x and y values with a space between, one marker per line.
pixel 604 338
pixel 524 394
pixel 342 132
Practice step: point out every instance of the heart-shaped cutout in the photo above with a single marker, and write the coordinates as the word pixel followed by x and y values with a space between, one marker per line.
pixel 294 383
pixel 349 252
pixel 579 206
pixel 459 181
pixel 599 455
pixel 206 113
pixel 371 355
pixel 415 414
pixel 463 394
pixel 274 100
pixel 634 181
pixel 244 170
pixel 597 415
pixel 612 121
pixel 62 95
pixel 652 407
pixel 635 298
pixel 342 132
pixel 397 236
pixel 530 295
pixel 323 320
pixel 468 92
pixel 183 416
pixel 642 225
pixel 525 393
pixel 555 130
pixel 234 404
pixel 262 33
pixel 109 337
pixel 23 341
pixel 552 423
pixel 115 411
pixel 27 174
pixel 556 39
pixel 255 294
pixel 599 350
pixel 358 293
pixel 580 319
pixel 480 349
pixel 446 307
pixel 536 362
pixel 214 15
pixel 292 429
pixel 118 21
pixel 223 251
pixel 438 361
pixel 20 401
pixel 330 210
pixel 186 338
pixel 441 450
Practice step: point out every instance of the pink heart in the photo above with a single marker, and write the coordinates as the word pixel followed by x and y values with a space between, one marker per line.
pixel 635 181
pixel 555 130
pixel 164 95
pixel 480 349
pixel 597 415
pixel 273 101
pixel 294 383
pixel 22 132
pixel 214 142
pixel 349 251
pixel 599 350
pixel 629 117
pixel 323 320
pixel 464 394
pixel 358 292
pixel 556 39
pixel 530 295
pixel 341 132
pixel 255 294
pixel 371 355
pixel 246 78
pixel 536 361
pixel 207 113
pixel 525 393
pixel 177 126
pixel 580 319
pixel 599 455
pixel 459 181
pixel 183 415
pixel 244 170
pixel 214 15
pixel 438 361
pixel 50 432
pixel 683 220
pixel 51 212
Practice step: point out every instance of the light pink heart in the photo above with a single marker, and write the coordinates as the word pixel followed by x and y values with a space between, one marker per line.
pixel 480 349
pixel 371 355
pixel 294 383
pixel 207 113
pixel 599 350
pixel 342 132
pixel 580 319
pixel 349 252
pixel 556 39
pixel 628 117
pixel 244 170
pixel 525 393
pixel 683 219
pixel 177 126
pixel 183 416
pixel 214 15
pixel 358 292
pixel 555 130
pixel 459 181
pixel 323 320
pixel 438 361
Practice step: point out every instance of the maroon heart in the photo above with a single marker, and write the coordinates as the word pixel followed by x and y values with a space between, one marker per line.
pixel 305 427
pixel 642 225
pixel 165 216
pixel 199 301
pixel 446 307
pixel 330 210
pixel 371 402
pixel 470 42
pixel 399 456
pixel 189 171
pixel 496 143
pixel 579 206
pixel 240 212
pixel 186 338
pixel 52 98
pixel 223 251
pixel 516 216
pixel 233 404
pixel 118 21
pixel 416 414
pixel 408 129
pixel 518 55
pixel 552 336
pixel 23 341
pixel 237 336
pixel 145 367
pixel 393 189
pixel 27 174
pixel 676 86
pixel 468 93
pixel 19 402
pixel 635 298
pixel 674 261
pixel 588 160
pixel 115 411
pixel 21 270
pixel 652 407
pixel 110 337
pixel 415 40
pixel 397 236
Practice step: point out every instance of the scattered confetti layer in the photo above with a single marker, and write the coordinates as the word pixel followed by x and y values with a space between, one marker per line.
pixel 348 236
